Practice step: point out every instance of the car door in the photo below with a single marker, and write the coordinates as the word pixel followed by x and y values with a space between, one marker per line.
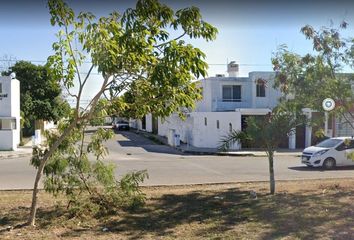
pixel 349 153
pixel 339 154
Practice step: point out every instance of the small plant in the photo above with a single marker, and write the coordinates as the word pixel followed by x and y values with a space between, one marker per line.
pixel 89 186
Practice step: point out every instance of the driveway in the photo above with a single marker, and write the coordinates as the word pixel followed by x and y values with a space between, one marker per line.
pixel 166 166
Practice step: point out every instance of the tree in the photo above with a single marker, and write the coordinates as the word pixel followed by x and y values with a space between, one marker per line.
pixel 268 132
pixel 133 47
pixel 311 78
pixel 40 94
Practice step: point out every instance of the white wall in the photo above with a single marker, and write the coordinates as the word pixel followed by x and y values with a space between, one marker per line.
pixel 7 141
pixel 182 127
pixel 49 125
pixel 10 108
pixel 148 122
pixel 209 135
pixel 194 131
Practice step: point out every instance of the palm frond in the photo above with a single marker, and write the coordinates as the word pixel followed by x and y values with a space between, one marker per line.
pixel 235 136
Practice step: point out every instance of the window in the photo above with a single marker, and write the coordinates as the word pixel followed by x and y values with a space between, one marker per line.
pixel 143 123
pixel 230 127
pixel 0 88
pixel 217 124
pixel 205 121
pixel 260 89
pixel 231 93
pixel 345 146
pixel 8 124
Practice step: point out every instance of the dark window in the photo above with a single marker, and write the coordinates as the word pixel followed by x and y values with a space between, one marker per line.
pixel 230 127
pixel 260 90
pixel 0 87
pixel 143 123
pixel 217 124
pixel 205 121
pixel 344 146
pixel 231 93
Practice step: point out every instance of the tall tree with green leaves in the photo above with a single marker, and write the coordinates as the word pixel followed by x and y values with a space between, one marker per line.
pixel 144 46
pixel 309 79
pixel 40 94
pixel 269 132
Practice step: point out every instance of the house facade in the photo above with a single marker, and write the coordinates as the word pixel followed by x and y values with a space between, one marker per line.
pixel 9 113
pixel 227 103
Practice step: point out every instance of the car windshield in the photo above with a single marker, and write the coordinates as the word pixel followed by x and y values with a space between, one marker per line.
pixel 328 143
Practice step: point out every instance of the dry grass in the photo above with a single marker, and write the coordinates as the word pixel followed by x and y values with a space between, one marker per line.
pixel 321 209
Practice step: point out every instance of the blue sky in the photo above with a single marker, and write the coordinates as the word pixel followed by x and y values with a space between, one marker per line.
pixel 249 31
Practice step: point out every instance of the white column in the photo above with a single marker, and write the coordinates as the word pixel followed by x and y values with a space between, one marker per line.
pixel 308 131
pixel 326 125
pixel 292 139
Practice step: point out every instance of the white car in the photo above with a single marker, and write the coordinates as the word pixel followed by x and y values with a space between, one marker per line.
pixel 329 153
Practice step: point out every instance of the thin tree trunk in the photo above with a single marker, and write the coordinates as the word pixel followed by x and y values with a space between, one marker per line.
pixel 32 216
pixel 47 155
pixel 52 149
pixel 271 171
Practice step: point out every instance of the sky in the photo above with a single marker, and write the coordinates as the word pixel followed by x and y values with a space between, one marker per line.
pixel 249 31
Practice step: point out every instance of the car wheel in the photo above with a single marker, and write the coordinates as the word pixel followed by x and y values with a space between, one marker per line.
pixel 329 163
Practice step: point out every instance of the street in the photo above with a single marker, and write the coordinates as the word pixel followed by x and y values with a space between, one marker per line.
pixel 167 166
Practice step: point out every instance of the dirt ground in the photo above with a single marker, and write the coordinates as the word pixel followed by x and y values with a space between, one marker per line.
pixel 316 209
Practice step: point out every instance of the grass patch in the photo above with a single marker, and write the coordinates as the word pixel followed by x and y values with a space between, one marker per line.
pixel 320 209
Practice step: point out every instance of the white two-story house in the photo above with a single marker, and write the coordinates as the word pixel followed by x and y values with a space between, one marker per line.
pixel 226 104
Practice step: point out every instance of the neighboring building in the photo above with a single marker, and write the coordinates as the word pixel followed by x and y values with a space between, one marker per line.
pixel 9 113
pixel 226 104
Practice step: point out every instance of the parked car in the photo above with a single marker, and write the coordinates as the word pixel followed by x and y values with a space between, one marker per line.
pixel 329 153
pixel 121 125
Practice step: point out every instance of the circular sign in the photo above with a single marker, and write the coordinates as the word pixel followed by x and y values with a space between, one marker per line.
pixel 328 104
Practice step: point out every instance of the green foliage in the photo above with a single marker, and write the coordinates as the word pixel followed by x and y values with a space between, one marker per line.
pixel 268 131
pixel 136 49
pixel 90 186
pixel 40 93
pixel 311 78
pixel 100 113
pixel 135 53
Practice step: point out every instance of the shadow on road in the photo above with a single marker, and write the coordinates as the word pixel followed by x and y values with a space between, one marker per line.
pixel 319 169
pixel 135 140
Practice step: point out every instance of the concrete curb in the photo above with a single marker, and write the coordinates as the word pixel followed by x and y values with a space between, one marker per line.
pixel 21 152
pixel 7 156
pixel 234 154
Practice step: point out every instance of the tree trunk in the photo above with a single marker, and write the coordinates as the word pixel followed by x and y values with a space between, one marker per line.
pixel 271 172
pixel 47 155
pixel 32 216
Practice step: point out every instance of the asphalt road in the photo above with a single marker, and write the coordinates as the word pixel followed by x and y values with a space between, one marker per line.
pixel 167 166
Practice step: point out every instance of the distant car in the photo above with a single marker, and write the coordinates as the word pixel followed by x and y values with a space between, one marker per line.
pixel 121 125
pixel 329 153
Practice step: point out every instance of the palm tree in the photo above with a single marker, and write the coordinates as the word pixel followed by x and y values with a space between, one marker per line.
pixel 268 132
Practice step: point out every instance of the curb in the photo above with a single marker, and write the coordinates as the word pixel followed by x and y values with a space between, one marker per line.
pixel 3 157
pixel 232 154
pixel 220 153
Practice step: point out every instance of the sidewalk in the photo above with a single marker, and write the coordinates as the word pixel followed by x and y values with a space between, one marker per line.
pixel 237 153
pixel 20 152
pixel 184 148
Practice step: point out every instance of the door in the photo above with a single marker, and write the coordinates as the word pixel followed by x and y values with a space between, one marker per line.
pixel 349 154
pixel 155 125
pixel 342 154
pixel 339 154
